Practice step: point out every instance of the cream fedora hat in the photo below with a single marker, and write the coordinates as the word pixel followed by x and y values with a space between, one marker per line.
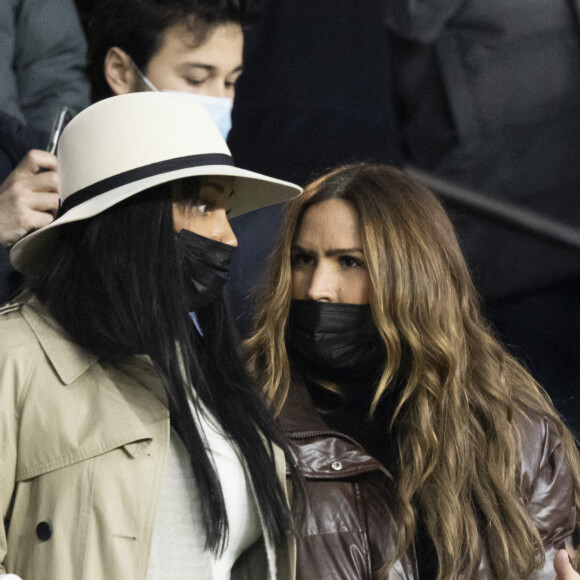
pixel 126 144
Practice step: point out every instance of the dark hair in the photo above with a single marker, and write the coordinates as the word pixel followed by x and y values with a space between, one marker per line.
pixel 128 297
pixel 137 27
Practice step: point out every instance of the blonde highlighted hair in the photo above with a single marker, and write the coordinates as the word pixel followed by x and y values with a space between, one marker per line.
pixel 458 446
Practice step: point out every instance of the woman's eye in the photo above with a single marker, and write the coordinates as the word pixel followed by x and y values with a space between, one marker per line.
pixel 202 208
pixel 190 202
pixel 350 262
pixel 301 259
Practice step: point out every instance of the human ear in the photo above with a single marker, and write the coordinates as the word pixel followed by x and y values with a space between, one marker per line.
pixel 119 71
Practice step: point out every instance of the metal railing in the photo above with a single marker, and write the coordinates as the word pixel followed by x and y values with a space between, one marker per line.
pixel 514 216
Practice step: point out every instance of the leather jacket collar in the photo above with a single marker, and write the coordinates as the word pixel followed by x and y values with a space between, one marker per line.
pixel 321 451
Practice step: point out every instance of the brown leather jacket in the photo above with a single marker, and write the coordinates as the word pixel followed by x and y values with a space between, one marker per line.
pixel 349 529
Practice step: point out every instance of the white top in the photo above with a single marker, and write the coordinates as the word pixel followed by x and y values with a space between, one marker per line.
pixel 178 550
pixel 243 518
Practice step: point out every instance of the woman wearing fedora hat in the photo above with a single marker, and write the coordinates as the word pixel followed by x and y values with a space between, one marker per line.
pixel 133 444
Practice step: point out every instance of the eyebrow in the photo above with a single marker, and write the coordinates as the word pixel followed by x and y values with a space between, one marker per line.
pixel 218 187
pixel 330 253
pixel 207 67
pixel 188 65
pixel 343 251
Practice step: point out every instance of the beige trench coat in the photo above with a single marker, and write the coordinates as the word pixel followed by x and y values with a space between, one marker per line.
pixel 82 452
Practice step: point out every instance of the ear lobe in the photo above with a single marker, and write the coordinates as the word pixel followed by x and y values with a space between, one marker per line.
pixel 119 71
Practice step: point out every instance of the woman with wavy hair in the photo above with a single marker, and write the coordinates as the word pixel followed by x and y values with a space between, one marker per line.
pixel 371 343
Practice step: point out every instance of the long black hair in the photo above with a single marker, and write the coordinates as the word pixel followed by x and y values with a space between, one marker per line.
pixel 115 285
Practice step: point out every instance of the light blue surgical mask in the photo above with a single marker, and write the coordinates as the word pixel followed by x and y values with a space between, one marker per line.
pixel 219 108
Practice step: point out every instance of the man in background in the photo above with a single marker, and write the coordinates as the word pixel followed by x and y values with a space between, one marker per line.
pixel 42 67
pixel 489 99
pixel 194 47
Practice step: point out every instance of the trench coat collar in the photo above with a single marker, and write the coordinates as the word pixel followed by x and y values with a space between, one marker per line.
pixel 121 415
pixel 69 360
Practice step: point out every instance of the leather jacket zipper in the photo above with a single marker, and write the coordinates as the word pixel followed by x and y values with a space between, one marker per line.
pixel 324 433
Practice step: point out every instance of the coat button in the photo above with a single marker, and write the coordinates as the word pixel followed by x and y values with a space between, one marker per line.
pixel 336 465
pixel 43 531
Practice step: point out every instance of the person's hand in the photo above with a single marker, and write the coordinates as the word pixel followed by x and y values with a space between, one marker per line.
pixel 28 196
pixel 563 567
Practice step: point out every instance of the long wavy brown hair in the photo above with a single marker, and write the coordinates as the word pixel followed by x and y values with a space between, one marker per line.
pixel 457 440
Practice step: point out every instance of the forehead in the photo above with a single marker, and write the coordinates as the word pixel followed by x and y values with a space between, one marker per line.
pixel 217 185
pixel 206 186
pixel 331 223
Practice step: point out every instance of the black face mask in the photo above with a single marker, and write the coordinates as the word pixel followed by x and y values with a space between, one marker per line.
pixel 205 264
pixel 338 342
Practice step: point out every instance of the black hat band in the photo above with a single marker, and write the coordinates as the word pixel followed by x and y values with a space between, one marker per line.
pixel 143 172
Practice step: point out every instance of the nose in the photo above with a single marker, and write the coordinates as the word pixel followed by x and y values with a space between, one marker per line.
pixel 322 286
pixel 222 230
